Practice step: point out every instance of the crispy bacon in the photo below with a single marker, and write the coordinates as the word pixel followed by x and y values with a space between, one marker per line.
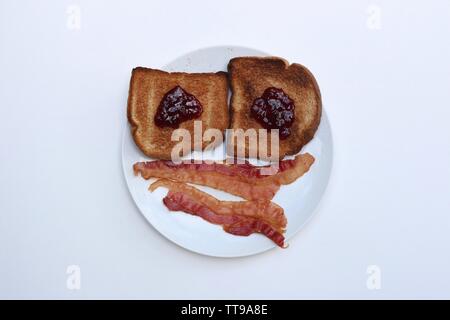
pixel 230 184
pixel 177 201
pixel 244 180
pixel 235 224
pixel 291 170
pixel 258 209
pixel 247 227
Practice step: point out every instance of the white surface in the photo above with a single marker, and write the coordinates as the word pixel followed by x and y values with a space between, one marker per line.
pixel 299 199
pixel 63 199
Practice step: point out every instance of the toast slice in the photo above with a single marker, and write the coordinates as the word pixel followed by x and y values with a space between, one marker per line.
pixel 251 76
pixel 147 89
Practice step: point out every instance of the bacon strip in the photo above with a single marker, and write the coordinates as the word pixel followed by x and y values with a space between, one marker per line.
pixel 245 228
pixel 234 224
pixel 244 180
pixel 291 170
pixel 258 209
pixel 230 184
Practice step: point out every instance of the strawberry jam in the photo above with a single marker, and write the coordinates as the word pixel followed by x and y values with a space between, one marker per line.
pixel 274 110
pixel 177 106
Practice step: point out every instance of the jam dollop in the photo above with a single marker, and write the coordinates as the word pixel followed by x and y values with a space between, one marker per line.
pixel 177 106
pixel 274 110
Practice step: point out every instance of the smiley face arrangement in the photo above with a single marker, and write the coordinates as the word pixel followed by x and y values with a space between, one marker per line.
pixel 266 94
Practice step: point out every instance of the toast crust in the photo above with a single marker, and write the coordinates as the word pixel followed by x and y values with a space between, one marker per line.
pixel 250 76
pixel 147 89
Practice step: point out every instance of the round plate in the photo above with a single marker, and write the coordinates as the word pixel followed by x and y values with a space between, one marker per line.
pixel 299 199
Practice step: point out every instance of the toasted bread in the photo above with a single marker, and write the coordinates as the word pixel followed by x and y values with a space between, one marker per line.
pixel 147 89
pixel 251 76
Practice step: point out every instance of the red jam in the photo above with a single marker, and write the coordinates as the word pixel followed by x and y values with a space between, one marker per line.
pixel 274 110
pixel 177 106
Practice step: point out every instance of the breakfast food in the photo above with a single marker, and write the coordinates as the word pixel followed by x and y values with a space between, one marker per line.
pixel 268 96
pixel 159 102
pixel 268 93
pixel 237 217
pixel 230 184
pixel 244 180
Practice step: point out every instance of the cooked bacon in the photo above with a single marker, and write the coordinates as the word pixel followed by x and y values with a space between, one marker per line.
pixel 247 227
pixel 258 209
pixel 234 224
pixel 291 170
pixel 177 201
pixel 230 184
pixel 244 180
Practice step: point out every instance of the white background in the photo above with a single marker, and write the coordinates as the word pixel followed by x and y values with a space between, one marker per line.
pixel 63 198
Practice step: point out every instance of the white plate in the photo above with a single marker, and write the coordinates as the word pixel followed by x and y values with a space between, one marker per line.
pixel 299 199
